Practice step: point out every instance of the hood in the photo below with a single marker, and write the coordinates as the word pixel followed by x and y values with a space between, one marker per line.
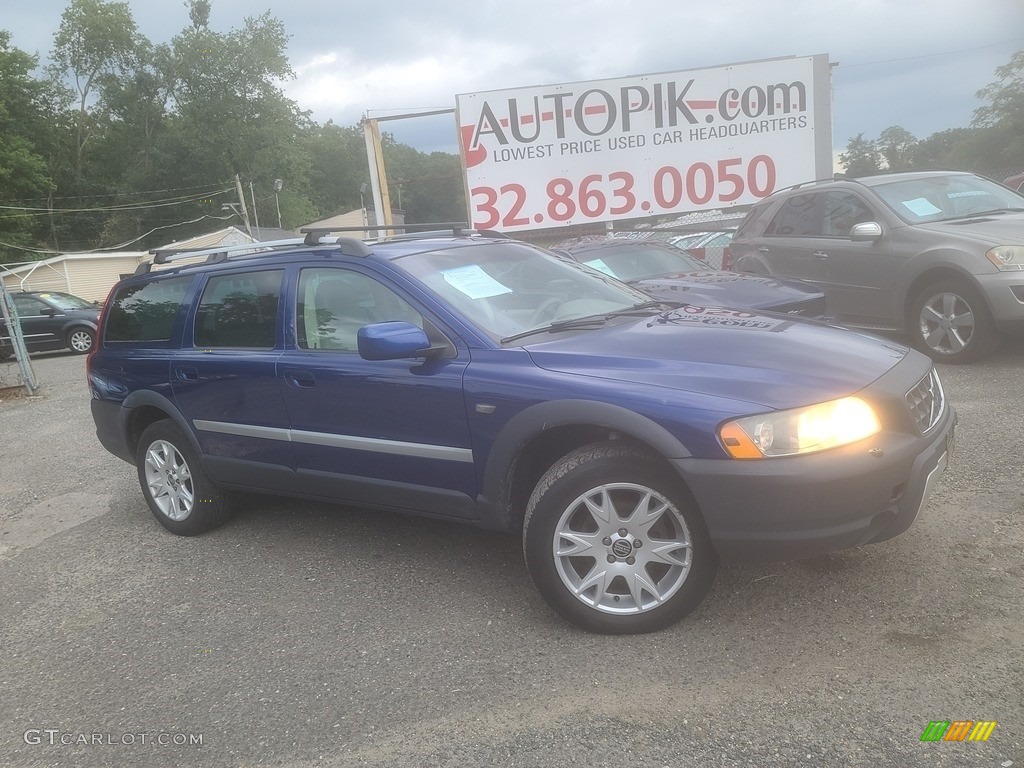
pixel 1000 229
pixel 727 289
pixel 767 361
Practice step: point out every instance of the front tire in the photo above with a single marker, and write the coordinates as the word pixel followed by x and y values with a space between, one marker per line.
pixel 80 340
pixel 180 495
pixel 951 323
pixel 613 542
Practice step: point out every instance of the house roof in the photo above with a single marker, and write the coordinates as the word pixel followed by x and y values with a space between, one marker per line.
pixel 225 236
pixel 346 219
pixel 28 266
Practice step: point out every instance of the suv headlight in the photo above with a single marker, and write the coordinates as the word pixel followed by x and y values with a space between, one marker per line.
pixel 1007 258
pixel 800 430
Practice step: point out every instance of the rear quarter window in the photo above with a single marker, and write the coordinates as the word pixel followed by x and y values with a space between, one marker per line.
pixel 145 312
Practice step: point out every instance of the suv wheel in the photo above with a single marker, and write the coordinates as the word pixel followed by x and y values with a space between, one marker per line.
pixel 178 492
pixel 951 323
pixel 613 543
pixel 80 340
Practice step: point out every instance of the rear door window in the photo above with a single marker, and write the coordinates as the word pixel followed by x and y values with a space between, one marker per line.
pixel 239 310
pixel 798 216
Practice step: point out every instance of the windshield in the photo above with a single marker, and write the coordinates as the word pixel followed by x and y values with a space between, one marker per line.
pixel 636 261
pixel 66 301
pixel 940 198
pixel 510 287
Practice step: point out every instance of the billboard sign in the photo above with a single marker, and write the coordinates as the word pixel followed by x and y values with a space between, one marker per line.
pixel 645 145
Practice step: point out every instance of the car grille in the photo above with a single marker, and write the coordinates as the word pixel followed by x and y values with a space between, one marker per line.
pixel 811 308
pixel 926 401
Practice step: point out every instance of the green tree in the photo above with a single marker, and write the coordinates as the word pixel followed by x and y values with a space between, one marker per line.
pixel 896 146
pixel 230 115
pixel 199 13
pixel 338 168
pixel 95 38
pixel 428 187
pixel 1004 113
pixel 943 150
pixel 861 157
pixel 24 175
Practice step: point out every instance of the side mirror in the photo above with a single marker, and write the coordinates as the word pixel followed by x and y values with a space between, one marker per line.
pixel 866 232
pixel 48 311
pixel 392 340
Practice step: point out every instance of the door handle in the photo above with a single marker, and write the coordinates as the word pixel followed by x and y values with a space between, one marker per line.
pixel 186 373
pixel 821 255
pixel 303 379
pixel 764 249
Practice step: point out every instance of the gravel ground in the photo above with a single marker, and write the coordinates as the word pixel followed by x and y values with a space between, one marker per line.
pixel 309 635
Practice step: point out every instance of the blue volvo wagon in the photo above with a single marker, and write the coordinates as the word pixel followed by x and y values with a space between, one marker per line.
pixel 633 444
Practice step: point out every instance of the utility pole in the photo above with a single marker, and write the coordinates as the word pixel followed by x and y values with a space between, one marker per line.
pixel 241 199
pixel 255 211
pixel 378 175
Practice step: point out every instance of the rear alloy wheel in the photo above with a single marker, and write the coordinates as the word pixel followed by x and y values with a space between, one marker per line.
pixel 80 340
pixel 613 543
pixel 179 494
pixel 951 323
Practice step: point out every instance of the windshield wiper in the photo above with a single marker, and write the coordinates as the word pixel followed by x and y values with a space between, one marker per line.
pixel 593 320
pixel 993 212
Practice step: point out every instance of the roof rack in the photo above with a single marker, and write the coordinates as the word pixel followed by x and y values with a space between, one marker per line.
pixel 830 179
pixel 314 236
pixel 438 229
pixel 348 245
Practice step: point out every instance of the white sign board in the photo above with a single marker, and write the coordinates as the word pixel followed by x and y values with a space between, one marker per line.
pixel 645 145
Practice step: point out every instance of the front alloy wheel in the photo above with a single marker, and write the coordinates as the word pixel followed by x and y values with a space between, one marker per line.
pixel 622 548
pixel 952 323
pixel 614 543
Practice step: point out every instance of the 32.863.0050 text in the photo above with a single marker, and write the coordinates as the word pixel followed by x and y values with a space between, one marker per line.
pixel 597 197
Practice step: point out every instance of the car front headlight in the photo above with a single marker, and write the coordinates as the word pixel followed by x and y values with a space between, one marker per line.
pixel 800 430
pixel 1007 258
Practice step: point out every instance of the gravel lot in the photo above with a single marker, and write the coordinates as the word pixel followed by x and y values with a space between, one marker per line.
pixel 308 635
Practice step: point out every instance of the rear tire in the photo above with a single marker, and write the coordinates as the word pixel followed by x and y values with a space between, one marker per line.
pixel 613 542
pixel 180 495
pixel 951 323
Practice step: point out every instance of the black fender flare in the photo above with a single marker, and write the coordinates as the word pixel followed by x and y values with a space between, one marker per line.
pixel 147 397
pixel 496 481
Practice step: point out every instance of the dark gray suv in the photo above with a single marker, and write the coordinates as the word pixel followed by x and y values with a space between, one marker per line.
pixel 937 255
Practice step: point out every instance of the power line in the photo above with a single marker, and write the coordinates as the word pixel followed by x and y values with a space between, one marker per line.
pixel 930 55
pixel 119 246
pixel 117 194
pixel 26 211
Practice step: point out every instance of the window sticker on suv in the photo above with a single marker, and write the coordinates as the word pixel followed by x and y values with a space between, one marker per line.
pixel 921 207
pixel 474 282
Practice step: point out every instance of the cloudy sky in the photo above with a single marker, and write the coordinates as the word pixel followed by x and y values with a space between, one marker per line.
pixel 913 63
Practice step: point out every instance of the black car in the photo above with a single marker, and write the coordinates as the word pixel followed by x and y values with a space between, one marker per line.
pixel 52 320
pixel 665 272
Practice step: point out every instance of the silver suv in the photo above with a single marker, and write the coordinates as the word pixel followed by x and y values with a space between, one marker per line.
pixel 937 255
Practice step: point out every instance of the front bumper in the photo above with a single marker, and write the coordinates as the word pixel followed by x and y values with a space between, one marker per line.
pixel 1004 292
pixel 805 506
